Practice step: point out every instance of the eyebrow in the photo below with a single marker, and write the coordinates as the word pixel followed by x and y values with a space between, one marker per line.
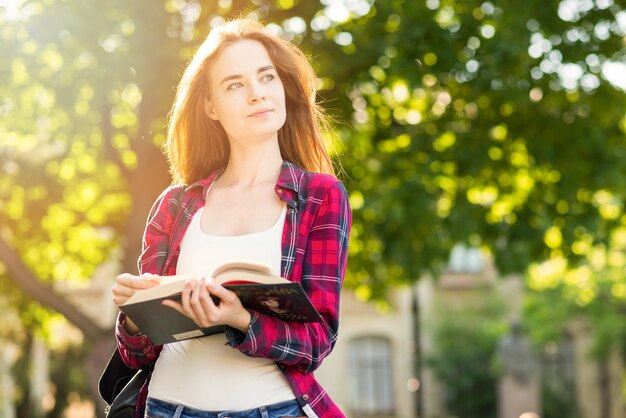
pixel 236 76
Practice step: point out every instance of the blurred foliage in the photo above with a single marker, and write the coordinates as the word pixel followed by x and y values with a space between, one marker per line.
pixel 469 128
pixel 558 405
pixel 487 122
pixel 470 374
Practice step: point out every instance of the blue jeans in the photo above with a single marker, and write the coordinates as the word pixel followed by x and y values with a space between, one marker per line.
pixel 161 409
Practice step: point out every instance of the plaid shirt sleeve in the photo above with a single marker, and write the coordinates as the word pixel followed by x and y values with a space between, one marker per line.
pixel 137 351
pixel 323 233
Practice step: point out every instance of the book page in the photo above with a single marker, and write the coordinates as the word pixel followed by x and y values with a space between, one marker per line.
pixel 176 278
pixel 260 268
pixel 245 276
pixel 168 285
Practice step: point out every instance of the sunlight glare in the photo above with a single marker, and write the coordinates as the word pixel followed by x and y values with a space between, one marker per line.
pixel 615 73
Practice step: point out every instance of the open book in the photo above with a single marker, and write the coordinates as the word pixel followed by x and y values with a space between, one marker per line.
pixel 253 283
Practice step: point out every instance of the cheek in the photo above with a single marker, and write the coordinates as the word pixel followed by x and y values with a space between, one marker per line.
pixel 283 110
pixel 282 100
pixel 215 108
pixel 225 110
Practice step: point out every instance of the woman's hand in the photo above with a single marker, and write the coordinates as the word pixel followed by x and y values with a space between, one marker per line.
pixel 198 305
pixel 127 285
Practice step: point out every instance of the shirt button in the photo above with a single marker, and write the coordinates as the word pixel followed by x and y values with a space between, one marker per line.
pixel 305 397
pixel 279 190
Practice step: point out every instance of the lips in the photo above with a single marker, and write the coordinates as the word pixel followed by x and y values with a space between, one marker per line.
pixel 260 112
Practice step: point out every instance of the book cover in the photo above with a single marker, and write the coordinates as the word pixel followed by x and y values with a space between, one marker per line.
pixel 256 288
pixel 163 324
pixel 286 301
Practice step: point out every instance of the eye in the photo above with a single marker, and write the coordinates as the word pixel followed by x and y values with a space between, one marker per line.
pixel 235 85
pixel 268 77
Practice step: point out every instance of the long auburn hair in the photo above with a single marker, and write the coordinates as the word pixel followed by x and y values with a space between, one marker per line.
pixel 197 145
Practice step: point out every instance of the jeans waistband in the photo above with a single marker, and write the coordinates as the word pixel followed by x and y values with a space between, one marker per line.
pixel 174 410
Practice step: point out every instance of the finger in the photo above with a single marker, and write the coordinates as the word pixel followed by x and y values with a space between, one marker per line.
pixel 188 309
pixel 118 300
pixel 199 292
pixel 174 305
pixel 145 282
pixel 124 279
pixel 137 282
pixel 178 307
pixel 209 306
pixel 185 295
pixel 221 292
pixel 121 293
pixel 121 290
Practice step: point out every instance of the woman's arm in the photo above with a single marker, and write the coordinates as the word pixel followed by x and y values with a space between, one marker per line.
pixel 137 350
pixel 305 345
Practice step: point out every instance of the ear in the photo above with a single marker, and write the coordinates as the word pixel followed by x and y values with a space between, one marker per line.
pixel 210 109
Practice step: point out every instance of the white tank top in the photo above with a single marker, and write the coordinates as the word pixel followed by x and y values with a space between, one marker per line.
pixel 204 373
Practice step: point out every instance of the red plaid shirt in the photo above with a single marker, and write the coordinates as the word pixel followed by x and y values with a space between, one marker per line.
pixel 314 253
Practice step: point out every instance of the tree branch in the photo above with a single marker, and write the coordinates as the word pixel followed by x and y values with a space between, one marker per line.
pixel 45 294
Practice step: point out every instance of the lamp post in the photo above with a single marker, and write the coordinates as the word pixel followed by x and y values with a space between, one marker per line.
pixel 417 353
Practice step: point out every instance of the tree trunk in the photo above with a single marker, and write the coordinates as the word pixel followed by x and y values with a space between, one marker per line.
pixel 604 386
pixel 39 376
pixel 156 76
pixel 7 383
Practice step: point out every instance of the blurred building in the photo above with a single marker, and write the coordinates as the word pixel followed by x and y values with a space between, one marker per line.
pixel 377 368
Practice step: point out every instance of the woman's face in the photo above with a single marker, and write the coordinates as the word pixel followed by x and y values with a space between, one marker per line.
pixel 248 97
pixel 270 302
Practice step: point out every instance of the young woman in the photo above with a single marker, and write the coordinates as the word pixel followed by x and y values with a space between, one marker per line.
pixel 252 181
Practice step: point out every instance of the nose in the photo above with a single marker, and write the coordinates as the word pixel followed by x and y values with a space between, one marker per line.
pixel 255 94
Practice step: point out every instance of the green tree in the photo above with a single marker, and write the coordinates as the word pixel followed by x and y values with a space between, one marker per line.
pixel 80 103
pixel 487 122
pixel 86 90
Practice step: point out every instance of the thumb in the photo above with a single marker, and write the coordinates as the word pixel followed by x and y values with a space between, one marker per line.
pixel 219 290
pixel 145 282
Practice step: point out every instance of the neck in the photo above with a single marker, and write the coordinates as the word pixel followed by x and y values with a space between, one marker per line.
pixel 252 164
